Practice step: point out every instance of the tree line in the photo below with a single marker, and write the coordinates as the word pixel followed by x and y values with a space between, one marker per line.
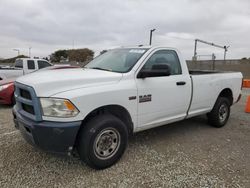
pixel 72 55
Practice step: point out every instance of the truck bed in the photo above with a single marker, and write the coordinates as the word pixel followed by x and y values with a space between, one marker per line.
pixel 9 68
pixel 201 72
pixel 10 73
pixel 208 84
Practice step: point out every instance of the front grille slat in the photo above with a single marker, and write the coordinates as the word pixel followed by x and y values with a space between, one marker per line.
pixel 25 94
pixel 28 108
pixel 27 102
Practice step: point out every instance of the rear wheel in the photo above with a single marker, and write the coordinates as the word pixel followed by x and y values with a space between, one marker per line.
pixel 102 141
pixel 220 113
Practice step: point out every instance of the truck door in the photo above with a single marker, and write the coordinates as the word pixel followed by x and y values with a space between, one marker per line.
pixel 162 99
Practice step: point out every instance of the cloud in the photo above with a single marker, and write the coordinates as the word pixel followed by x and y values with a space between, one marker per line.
pixel 50 25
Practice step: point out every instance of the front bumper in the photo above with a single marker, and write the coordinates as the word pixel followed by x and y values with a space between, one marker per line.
pixel 56 137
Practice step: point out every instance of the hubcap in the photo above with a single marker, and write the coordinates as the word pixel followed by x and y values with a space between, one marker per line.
pixel 223 112
pixel 107 143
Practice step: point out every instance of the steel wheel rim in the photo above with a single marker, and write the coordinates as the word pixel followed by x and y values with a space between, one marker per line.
pixel 223 112
pixel 107 143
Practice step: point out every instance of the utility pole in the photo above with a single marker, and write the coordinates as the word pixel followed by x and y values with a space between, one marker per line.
pixel 213 59
pixel 225 52
pixel 208 43
pixel 150 37
pixel 30 51
pixel 18 51
pixel 195 50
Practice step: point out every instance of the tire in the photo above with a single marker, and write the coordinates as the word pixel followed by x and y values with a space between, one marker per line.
pixel 102 141
pixel 220 113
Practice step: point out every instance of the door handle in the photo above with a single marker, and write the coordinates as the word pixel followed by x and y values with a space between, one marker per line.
pixel 181 83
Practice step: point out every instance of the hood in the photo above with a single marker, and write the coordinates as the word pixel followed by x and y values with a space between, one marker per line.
pixel 51 82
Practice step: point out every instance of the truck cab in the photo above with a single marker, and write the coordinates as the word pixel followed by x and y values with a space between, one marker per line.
pixel 30 65
pixel 23 66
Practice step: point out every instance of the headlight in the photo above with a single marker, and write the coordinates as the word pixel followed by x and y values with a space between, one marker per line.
pixel 2 87
pixel 55 107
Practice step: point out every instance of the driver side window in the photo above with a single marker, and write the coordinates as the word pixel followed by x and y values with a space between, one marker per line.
pixel 168 57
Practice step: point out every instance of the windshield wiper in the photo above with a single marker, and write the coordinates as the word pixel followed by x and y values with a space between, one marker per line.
pixel 98 68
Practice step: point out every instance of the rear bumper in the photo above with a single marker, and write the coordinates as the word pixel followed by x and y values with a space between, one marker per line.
pixel 55 137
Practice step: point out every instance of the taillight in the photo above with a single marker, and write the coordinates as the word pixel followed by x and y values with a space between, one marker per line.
pixel 242 83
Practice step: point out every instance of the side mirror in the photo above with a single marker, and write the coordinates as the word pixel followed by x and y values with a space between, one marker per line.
pixel 156 71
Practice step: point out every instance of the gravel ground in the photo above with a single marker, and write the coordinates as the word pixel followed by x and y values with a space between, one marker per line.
pixel 184 154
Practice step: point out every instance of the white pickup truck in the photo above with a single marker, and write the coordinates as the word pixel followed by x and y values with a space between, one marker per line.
pixel 92 110
pixel 23 66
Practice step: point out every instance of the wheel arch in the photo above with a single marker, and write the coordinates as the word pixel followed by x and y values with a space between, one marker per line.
pixel 116 110
pixel 227 93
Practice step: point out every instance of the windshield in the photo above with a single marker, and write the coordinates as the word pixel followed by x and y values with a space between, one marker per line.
pixel 118 60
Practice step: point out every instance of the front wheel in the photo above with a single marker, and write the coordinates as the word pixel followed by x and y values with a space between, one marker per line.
pixel 102 141
pixel 220 113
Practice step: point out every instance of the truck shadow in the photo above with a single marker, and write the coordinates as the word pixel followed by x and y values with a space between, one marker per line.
pixel 198 123
pixel 4 106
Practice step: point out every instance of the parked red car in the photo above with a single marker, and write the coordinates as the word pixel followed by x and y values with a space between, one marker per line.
pixel 7 86
pixel 7 91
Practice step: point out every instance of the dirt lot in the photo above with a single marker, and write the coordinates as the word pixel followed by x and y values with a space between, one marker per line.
pixel 185 154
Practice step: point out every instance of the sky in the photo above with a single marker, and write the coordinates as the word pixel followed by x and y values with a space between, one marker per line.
pixel 49 25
